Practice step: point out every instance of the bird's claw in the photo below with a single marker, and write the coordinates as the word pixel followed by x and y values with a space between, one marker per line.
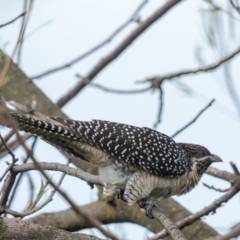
pixel 148 204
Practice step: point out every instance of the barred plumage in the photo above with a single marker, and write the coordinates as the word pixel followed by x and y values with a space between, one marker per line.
pixel 128 157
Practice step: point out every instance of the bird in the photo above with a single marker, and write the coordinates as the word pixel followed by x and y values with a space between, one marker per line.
pixel 137 164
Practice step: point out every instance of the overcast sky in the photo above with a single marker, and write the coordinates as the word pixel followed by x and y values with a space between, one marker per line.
pixel 167 46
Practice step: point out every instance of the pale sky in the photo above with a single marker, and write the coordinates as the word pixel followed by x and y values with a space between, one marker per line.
pixel 167 46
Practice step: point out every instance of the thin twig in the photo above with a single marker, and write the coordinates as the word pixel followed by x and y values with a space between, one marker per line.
pixel 235 168
pixel 14 159
pixel 23 29
pixel 49 198
pixel 94 49
pixel 216 189
pixel 13 145
pixel 160 107
pixel 133 91
pixel 194 120
pixel 13 20
pixel 235 6
pixel 31 190
pixel 37 29
pixel 8 60
pixel 7 137
pixel 170 227
pixel 117 51
pixel 19 178
pixel 156 81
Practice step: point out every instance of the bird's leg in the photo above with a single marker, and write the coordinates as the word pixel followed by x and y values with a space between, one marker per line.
pixel 120 194
pixel 148 204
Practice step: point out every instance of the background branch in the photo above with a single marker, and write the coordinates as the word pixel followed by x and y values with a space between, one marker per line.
pixel 116 52
pixel 13 20
pixel 94 49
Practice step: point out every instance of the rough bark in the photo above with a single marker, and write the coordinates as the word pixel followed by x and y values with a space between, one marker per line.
pixel 18 87
pixel 119 212
pixel 18 229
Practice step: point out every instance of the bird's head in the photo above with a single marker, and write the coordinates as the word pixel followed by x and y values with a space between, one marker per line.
pixel 200 157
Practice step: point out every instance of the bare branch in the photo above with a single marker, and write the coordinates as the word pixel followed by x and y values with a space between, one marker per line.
pixel 13 145
pixel 118 90
pixel 7 137
pixel 194 120
pixel 156 81
pixel 23 28
pixel 7 186
pixel 19 178
pixel 33 209
pixel 235 168
pixel 160 107
pixel 216 189
pixel 13 20
pixel 205 211
pixel 233 233
pixel 94 49
pixel 8 60
pixel 76 172
pixel 175 233
pixel 117 51
pixel 235 5
pixel 14 159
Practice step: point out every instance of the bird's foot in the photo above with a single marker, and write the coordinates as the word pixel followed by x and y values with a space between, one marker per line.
pixel 148 204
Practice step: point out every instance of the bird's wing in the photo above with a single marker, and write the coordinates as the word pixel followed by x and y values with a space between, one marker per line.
pixel 141 147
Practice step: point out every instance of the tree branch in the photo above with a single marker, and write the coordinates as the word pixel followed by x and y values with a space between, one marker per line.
pixel 118 91
pixel 17 229
pixel 117 51
pixel 156 81
pixel 13 20
pixel 233 233
pixel 76 172
pixel 89 52
pixel 205 211
pixel 194 120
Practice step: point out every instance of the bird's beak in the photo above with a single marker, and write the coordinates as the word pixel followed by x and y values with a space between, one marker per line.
pixel 215 158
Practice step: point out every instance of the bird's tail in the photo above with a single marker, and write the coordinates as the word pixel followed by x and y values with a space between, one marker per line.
pixel 49 130
pixel 55 132
pixel 43 128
